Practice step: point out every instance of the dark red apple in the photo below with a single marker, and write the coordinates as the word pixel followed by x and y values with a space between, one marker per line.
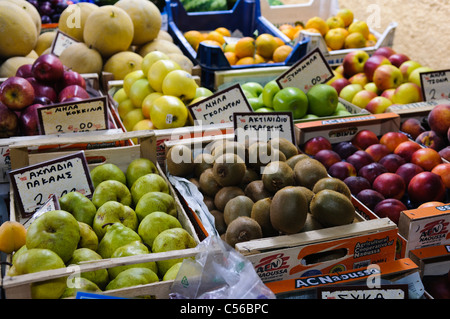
pixel 71 77
pixel 413 127
pixel 16 93
pixel 315 144
pixel 339 84
pixel 398 58
pixel 357 184
pixel 390 185
pixel 42 100
pixel 426 187
pixel 385 51
pixel 377 151
pixel 371 171
pixel 9 122
pixel 29 120
pixel 364 138
pixel 439 119
pixel 392 162
pixel 41 89
pixel 390 208
pixel 327 157
pixel 24 71
pixel 445 153
pixel 359 159
pixel 72 91
pixel 342 170
pixel 432 140
pixel 407 171
pixel 370 198
pixel 345 149
pixel 48 68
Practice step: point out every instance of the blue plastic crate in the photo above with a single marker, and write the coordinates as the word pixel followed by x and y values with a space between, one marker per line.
pixel 245 17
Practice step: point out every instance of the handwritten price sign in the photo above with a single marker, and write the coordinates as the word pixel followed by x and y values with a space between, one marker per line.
pixel 435 85
pixel 309 71
pixel 61 42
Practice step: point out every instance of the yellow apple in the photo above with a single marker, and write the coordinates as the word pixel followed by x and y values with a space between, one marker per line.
pixel 125 107
pixel 130 78
pixel 138 91
pixel 168 112
pixel 151 58
pixel 148 102
pixel 131 118
pixel 120 95
pixel 158 72
pixel 179 83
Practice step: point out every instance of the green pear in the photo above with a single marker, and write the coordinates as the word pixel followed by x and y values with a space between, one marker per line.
pixel 171 239
pixel 107 171
pixel 116 235
pixel 40 259
pixel 111 190
pixel 172 273
pixel 114 212
pixel 99 277
pixel 155 223
pixel 139 167
pixel 155 202
pixel 88 237
pixel 148 183
pixel 132 249
pixel 56 230
pixel 18 253
pixel 133 277
pixel 79 206
pixel 82 284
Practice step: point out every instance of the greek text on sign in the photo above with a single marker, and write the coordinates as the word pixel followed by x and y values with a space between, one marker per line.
pixel 435 85
pixel 34 184
pixel 74 117
pixel 219 107
pixel 61 42
pixel 263 126
pixel 309 71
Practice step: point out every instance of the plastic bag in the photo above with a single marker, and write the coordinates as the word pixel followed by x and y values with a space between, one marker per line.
pixel 218 272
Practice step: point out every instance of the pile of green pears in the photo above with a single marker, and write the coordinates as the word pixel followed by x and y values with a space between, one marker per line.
pixel 130 213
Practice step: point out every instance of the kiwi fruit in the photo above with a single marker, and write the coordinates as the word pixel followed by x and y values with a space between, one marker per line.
pixel 311 224
pixel 332 208
pixel 259 154
pixel 249 176
pixel 242 229
pixel 194 181
pixel 224 147
pixel 202 162
pixel 285 146
pixel 209 202
pixel 229 169
pixel 308 193
pixel 179 161
pixel 308 171
pixel 237 206
pixel 208 183
pixel 334 184
pixel 277 175
pixel 295 159
pixel 261 213
pixel 225 194
pixel 219 221
pixel 256 191
pixel 288 210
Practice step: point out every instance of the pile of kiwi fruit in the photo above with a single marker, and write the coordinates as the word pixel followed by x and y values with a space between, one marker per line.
pixel 265 189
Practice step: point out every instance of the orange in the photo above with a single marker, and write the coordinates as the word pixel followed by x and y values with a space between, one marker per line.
pixel 289 32
pixel 335 39
pixel 215 36
pixel 370 43
pixel 317 23
pixel 246 60
pixel 224 31
pixel 245 47
pixel 346 15
pixel 335 22
pixel 231 57
pixel 259 59
pixel 229 47
pixel 193 37
pixel 12 236
pixel 279 41
pixel 343 31
pixel 285 26
pixel 355 40
pixel 265 45
pixel 361 27
pixel 212 42
pixel 281 53
pixel 312 30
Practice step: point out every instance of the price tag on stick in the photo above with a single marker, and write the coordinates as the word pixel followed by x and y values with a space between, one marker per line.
pixel 435 85
pixel 311 70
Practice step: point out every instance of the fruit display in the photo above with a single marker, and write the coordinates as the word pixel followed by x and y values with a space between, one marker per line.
pixel 50 11
pixel 264 189
pixel 130 213
pixel 387 173
pixel 376 82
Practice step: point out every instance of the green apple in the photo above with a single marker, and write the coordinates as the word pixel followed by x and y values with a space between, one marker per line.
pixel 155 202
pixel 148 183
pixel 88 237
pixel 323 100
pixel 134 248
pixel 310 116
pixel 153 224
pixel 168 240
pixel 181 84
pixel 256 102
pixel 107 171
pixel 111 190
pixel 116 236
pixel 137 168
pixel 202 92
pixel 56 230
pixel 138 91
pixel 254 88
pixel 99 277
pixel 133 277
pixel 270 89
pixel 158 72
pixel 340 107
pixel 264 110
pixel 291 99
pixel 172 273
pixel 79 206
pixel 39 259
pixel 114 212
pixel 341 113
pixel 349 91
pixel 82 284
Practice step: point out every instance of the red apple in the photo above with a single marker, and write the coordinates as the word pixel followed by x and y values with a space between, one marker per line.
pixel 42 100
pixel 393 139
pixel 24 71
pixel 327 157
pixel 387 76
pixel 439 119
pixel 29 120
pixel 427 158
pixel 406 149
pixel 445 153
pixel 359 78
pixel 378 151
pixel 443 170
pixel 370 198
pixel 413 127
pixel 345 149
pixel 364 138
pixel 16 93
pixel 373 63
pixel 408 170
pixel 357 184
pixel 72 91
pixel 339 84
pixel 392 162
pixel 426 187
pixel 385 51
pixel 42 89
pixel 390 185
pixel 378 105
pixel 48 68
pixel 9 122
pixel 73 78
pixel 389 94
pixel 397 59
pixel 432 140
pixel 390 208
pixel 315 144
pixel 342 170
pixel 371 171
pixel 359 159
pixel 354 62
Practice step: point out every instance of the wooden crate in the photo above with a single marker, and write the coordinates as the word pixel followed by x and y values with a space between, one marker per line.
pixel 19 286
